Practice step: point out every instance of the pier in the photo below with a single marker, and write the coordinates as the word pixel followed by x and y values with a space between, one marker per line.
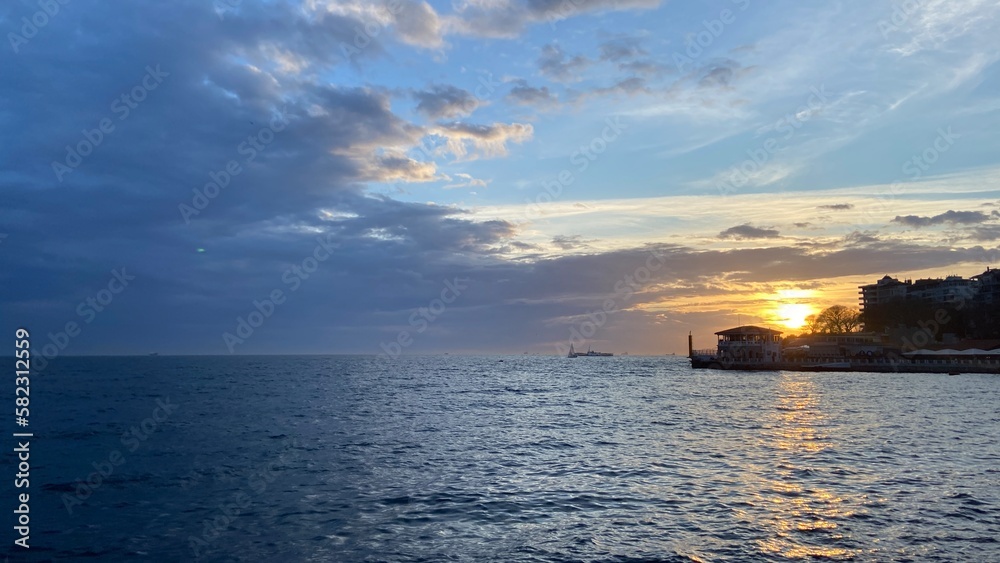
pixel 752 348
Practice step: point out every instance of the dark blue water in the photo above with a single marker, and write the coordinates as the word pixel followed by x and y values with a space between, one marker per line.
pixel 530 459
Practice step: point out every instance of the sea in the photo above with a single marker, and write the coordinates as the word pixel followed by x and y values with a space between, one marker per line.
pixel 502 458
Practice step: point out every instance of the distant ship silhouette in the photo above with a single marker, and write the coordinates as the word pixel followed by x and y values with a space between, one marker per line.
pixel 588 354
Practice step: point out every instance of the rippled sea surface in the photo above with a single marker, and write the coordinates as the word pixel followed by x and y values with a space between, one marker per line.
pixel 525 459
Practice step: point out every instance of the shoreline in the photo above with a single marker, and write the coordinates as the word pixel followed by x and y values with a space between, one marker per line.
pixel 866 365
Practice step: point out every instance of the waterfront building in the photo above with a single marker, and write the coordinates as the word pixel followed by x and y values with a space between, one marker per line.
pixel 988 286
pixel 982 288
pixel 954 308
pixel 852 344
pixel 952 289
pixel 884 290
pixel 750 343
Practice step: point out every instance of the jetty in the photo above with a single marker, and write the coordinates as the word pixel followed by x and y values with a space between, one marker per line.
pixel 754 348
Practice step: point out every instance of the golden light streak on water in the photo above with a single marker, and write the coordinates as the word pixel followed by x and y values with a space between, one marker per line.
pixel 791 504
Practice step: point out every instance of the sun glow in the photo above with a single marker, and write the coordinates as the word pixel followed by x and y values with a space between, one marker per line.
pixel 793 315
pixel 790 307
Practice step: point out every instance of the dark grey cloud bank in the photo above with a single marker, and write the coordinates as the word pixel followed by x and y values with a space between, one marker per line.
pixel 948 217
pixel 749 232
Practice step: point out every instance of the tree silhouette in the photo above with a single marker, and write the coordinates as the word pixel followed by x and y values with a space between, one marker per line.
pixel 837 319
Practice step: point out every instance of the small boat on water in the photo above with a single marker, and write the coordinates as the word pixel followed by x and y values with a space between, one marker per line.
pixel 590 353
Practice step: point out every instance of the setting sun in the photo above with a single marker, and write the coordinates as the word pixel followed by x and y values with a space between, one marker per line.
pixel 788 307
pixel 793 315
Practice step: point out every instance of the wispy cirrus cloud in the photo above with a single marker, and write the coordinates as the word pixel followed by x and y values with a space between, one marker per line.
pixel 462 180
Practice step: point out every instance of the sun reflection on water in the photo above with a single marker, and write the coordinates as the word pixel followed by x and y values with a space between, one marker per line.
pixel 798 512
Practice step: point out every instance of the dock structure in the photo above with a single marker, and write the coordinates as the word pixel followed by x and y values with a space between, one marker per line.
pixel 753 348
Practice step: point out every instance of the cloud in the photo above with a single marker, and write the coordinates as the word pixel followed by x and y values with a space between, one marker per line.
pixel 391 167
pixel 986 233
pixel 508 18
pixel 628 87
pixel 414 21
pixel 931 24
pixel 569 242
pixel 622 49
pixel 556 65
pixel 748 232
pixel 720 74
pixel 445 102
pixel 308 179
pixel 464 181
pixel 645 67
pixel 418 24
pixel 468 141
pixel 230 76
pixel 858 238
pixel 525 95
pixel 837 206
pixel 951 217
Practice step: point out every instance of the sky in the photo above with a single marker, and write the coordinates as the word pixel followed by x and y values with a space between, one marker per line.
pixel 482 176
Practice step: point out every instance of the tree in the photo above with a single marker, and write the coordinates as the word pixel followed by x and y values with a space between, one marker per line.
pixel 837 319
